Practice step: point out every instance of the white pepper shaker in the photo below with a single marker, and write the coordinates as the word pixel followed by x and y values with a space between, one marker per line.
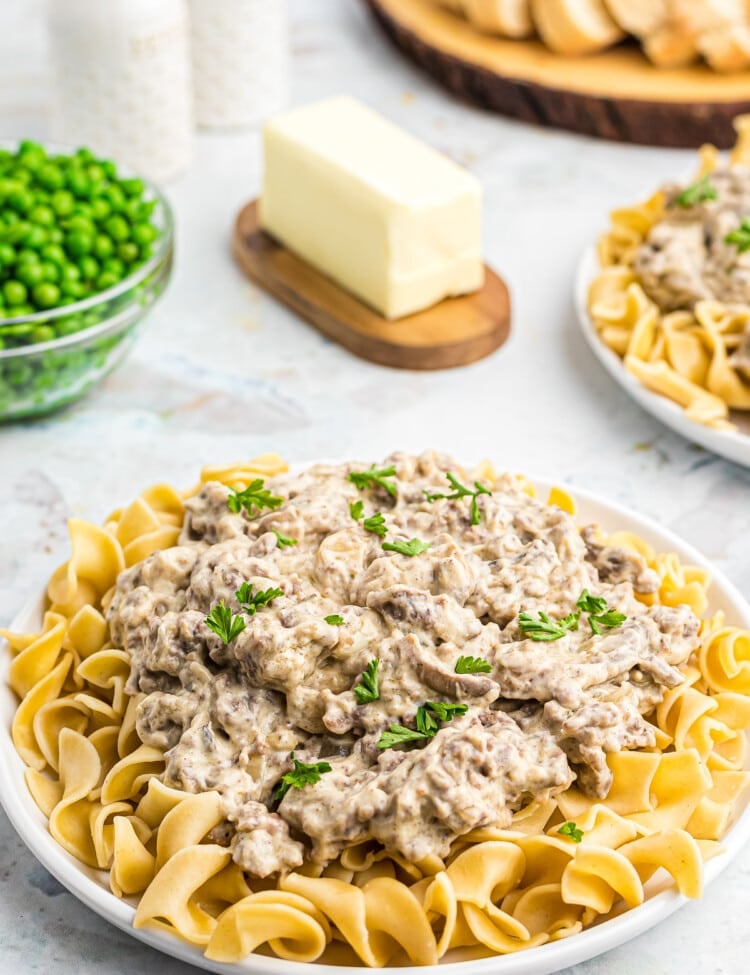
pixel 240 60
pixel 121 81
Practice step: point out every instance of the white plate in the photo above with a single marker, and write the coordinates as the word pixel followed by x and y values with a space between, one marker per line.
pixel 732 445
pixel 90 886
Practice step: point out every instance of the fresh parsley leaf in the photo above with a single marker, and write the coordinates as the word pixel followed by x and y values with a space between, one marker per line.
pixel 368 690
pixel 224 623
pixel 608 621
pixel 283 541
pixel 697 193
pixel 740 236
pixel 413 547
pixel 254 498
pixel 335 619
pixel 376 524
pixel 397 734
pixel 544 629
pixel 473 665
pixel 250 602
pixel 601 616
pixel 591 604
pixel 461 491
pixel 357 509
pixel 375 478
pixel 445 710
pixel 427 719
pixel 301 775
pixel 571 831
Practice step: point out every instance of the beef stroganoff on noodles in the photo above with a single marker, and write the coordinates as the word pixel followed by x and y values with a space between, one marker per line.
pixel 388 711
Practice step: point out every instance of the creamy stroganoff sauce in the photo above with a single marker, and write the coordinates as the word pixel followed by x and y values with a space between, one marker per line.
pixel 229 716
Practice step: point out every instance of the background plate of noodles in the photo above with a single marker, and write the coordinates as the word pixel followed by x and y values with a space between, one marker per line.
pixel 92 887
pixel 734 444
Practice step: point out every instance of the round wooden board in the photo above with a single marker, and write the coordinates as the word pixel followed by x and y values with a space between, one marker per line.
pixel 454 332
pixel 617 95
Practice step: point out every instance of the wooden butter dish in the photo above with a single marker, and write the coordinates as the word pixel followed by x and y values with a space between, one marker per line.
pixel 454 332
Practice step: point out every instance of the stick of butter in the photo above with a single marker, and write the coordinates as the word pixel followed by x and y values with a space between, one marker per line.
pixel 390 219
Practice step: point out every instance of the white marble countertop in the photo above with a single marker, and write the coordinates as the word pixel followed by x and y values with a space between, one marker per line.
pixel 223 372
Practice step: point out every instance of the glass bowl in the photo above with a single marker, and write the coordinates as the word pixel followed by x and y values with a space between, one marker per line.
pixel 92 335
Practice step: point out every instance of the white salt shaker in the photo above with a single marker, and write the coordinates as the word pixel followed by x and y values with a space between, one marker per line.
pixel 240 60
pixel 121 81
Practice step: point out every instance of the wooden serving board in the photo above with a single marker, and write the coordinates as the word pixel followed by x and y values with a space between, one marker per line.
pixel 617 94
pixel 453 333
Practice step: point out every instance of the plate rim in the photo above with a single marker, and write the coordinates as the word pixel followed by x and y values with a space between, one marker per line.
pixel 88 885
pixel 730 444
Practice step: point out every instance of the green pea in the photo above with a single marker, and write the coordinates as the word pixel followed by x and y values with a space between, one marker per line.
pixel 100 208
pixel 80 224
pixel 22 200
pixel 7 254
pixel 116 197
pixel 79 183
pixel 51 271
pixel 70 272
pixel 63 202
pixel 25 309
pixel 74 290
pixel 143 234
pixel 85 155
pixel 69 325
pixel 36 237
pixel 114 265
pixel 46 295
pixel 7 186
pixel 133 187
pixel 54 253
pixel 42 215
pixel 51 177
pixel 55 235
pixel 117 227
pixel 28 256
pixel 43 333
pixel 95 173
pixel 127 252
pixel 20 373
pixel 10 217
pixel 107 279
pixel 78 243
pixel 89 267
pixel 103 246
pixel 15 292
pixel 30 274
pixel 23 175
pixel 16 232
pixel 110 169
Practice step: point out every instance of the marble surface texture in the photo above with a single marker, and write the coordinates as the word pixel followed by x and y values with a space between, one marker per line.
pixel 223 372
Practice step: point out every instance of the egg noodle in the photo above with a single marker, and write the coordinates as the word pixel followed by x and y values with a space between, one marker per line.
pixel 498 891
pixel 685 354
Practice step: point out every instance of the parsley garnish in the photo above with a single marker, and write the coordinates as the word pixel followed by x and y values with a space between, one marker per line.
pixel 413 547
pixel 397 734
pixel 224 623
pixel 368 690
pixel 545 630
pixel 283 541
pixel 374 477
pixel 254 498
pixel 427 720
pixel 601 616
pixel 571 831
pixel 461 491
pixel 473 665
pixel 357 509
pixel 301 775
pixel 376 524
pixel 740 236
pixel 251 602
pixel 335 620
pixel 697 193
